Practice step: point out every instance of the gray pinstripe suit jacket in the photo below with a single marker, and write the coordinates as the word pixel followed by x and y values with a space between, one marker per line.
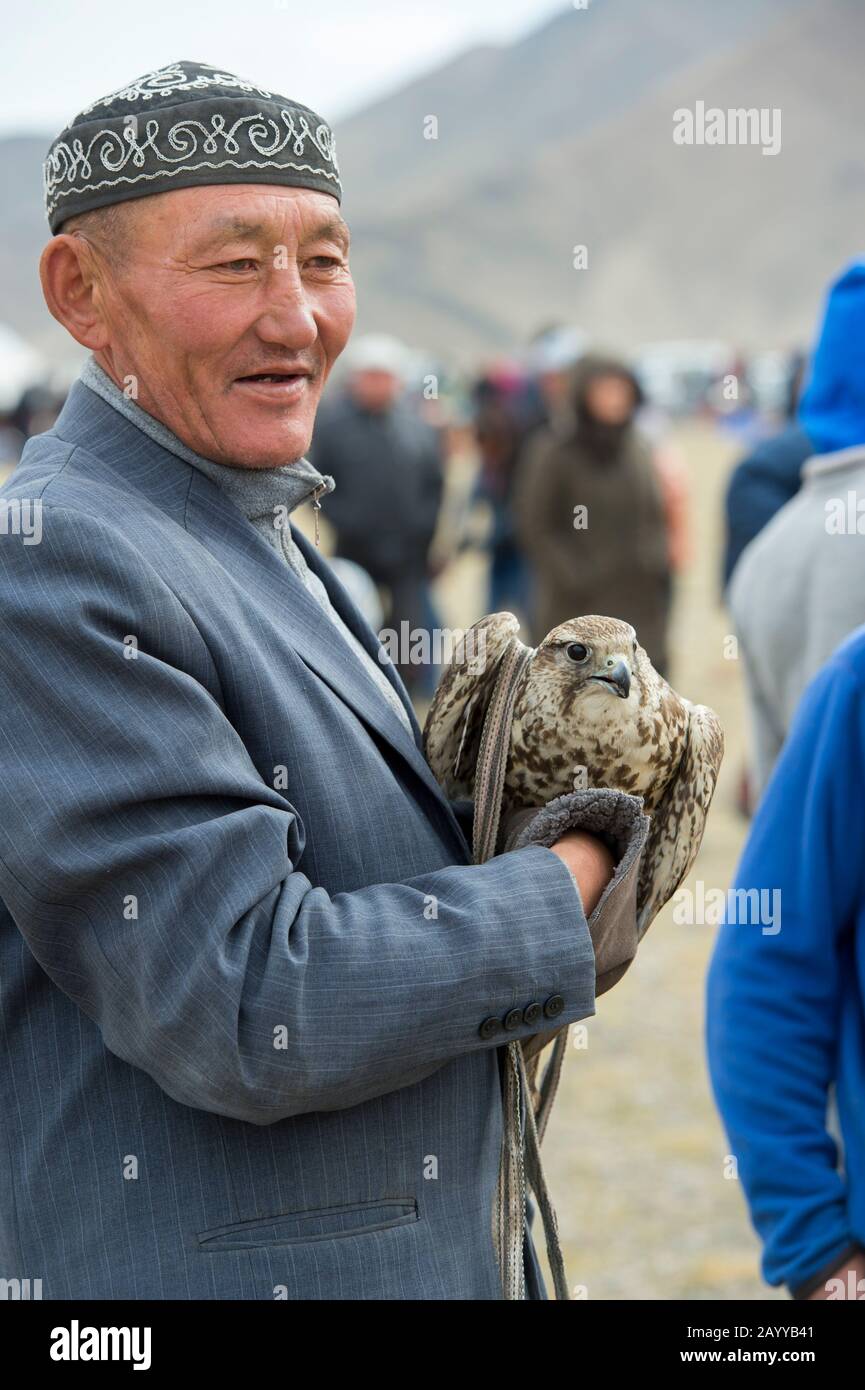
pixel 244 955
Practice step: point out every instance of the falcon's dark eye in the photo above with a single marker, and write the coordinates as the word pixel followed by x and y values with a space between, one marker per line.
pixel 577 652
pixel 635 648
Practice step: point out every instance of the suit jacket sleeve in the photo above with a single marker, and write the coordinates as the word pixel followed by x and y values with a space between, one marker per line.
pixel 153 872
pixel 776 985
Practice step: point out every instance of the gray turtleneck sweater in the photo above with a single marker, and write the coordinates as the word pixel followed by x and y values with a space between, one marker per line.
pixel 257 493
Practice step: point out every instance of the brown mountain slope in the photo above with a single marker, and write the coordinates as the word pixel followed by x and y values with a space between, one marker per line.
pixel 682 241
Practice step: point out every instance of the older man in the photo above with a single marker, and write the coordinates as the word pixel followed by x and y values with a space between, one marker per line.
pixel 254 993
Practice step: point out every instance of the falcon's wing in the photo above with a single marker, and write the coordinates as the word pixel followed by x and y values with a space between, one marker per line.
pixel 680 818
pixel 452 729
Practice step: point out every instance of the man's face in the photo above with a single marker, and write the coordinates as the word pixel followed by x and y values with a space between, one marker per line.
pixel 228 310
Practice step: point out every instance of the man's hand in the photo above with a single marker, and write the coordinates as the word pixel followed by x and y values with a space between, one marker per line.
pixel 589 861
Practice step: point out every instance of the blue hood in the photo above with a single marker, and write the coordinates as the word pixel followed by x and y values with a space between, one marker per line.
pixel 832 409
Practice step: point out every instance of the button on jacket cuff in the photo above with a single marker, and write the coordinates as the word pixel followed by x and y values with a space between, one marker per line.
pixel 563 977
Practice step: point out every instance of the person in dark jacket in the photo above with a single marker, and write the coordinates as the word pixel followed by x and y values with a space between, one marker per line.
pixel 763 482
pixel 760 486
pixel 590 511
pixel 388 467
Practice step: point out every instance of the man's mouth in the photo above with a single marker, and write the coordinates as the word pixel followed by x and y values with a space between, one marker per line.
pixel 274 376
pixel 283 387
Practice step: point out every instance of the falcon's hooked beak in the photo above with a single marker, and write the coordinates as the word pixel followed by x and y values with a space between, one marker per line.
pixel 618 677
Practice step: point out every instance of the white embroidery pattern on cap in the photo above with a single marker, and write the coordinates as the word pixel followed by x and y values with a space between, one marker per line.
pixel 72 164
pixel 168 80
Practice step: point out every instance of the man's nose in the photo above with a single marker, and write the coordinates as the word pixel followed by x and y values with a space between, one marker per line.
pixel 288 316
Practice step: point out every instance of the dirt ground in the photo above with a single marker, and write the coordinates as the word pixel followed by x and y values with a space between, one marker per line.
pixel 634 1154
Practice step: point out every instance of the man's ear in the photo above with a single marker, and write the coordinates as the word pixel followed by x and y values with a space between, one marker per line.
pixel 71 285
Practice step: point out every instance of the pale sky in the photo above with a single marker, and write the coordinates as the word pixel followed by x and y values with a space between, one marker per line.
pixel 58 56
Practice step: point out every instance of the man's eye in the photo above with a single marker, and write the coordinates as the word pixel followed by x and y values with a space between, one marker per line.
pixel 324 262
pixel 246 264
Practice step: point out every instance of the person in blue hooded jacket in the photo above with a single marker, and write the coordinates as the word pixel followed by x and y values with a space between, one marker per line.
pixel 786 996
pixel 799 588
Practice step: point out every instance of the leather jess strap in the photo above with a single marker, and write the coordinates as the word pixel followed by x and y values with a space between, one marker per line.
pixel 521 1157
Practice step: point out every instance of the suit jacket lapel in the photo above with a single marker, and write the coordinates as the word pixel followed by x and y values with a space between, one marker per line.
pixel 356 622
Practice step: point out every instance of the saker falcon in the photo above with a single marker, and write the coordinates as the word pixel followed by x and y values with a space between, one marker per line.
pixel 590 711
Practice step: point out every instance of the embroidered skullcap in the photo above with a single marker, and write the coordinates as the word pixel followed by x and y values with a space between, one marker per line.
pixel 185 125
